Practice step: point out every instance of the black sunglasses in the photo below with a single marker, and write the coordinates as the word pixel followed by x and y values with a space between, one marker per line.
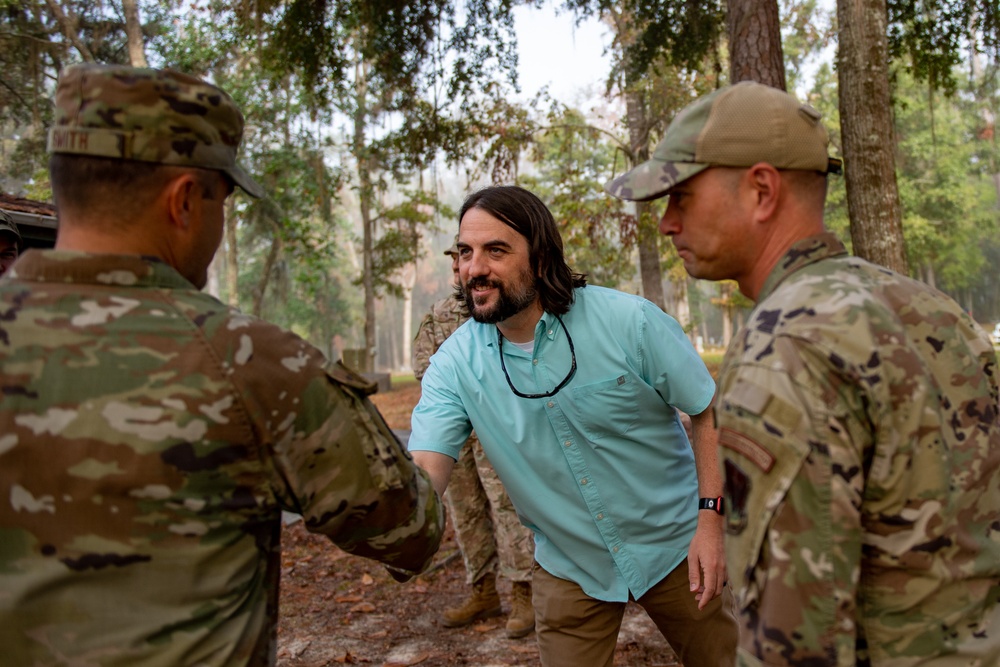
pixel 572 368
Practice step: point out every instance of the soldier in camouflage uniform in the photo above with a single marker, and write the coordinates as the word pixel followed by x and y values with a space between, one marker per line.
pixel 857 413
pixel 150 436
pixel 10 242
pixel 487 527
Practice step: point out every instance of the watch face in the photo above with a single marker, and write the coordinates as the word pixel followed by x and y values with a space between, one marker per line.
pixel 713 504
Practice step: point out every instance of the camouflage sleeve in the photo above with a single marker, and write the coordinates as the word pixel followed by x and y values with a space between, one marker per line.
pixel 791 452
pixel 424 345
pixel 335 460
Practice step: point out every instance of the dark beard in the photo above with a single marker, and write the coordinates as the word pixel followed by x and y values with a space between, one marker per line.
pixel 507 305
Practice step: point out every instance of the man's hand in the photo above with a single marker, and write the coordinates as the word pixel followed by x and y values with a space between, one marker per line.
pixel 706 558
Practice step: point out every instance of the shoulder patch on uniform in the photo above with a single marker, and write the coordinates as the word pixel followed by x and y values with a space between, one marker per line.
pixel 748 447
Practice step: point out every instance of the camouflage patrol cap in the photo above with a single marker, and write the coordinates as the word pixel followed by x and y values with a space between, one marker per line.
pixel 8 226
pixel 148 115
pixel 735 126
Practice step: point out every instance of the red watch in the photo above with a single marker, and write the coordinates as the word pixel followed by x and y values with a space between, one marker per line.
pixel 714 504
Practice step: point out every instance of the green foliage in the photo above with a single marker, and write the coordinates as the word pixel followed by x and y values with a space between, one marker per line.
pixel 573 159
pixel 944 193
pixel 806 29
pixel 928 36
pixel 683 33
pixel 946 157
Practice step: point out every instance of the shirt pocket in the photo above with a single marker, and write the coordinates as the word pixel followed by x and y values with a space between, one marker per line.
pixel 608 407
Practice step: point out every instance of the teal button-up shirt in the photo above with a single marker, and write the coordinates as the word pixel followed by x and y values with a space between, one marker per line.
pixel 602 472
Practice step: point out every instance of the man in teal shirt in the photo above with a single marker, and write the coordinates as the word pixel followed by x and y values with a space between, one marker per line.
pixel 574 392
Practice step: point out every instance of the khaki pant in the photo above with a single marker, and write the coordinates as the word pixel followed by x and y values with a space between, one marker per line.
pixel 575 629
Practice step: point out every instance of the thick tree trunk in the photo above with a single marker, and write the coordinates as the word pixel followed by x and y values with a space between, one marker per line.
pixel 868 135
pixel 133 31
pixel 755 54
pixel 649 235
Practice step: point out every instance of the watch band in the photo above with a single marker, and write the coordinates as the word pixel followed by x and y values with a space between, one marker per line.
pixel 714 504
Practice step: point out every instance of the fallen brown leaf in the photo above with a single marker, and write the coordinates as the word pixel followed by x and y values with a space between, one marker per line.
pixel 416 660
pixel 367 580
pixel 349 598
pixel 364 608
pixel 524 648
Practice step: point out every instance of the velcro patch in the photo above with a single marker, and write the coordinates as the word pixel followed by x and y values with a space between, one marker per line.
pixel 348 377
pixel 748 447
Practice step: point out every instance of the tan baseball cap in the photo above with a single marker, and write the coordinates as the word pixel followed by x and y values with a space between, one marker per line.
pixel 735 126
pixel 148 115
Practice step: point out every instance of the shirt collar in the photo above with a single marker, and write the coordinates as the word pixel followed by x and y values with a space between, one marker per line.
pixel 546 325
pixel 801 254
pixel 64 266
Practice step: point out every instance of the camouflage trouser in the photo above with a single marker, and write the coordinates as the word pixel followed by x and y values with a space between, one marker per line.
pixel 486 525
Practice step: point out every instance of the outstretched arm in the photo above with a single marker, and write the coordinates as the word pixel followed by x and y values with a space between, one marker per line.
pixel 438 467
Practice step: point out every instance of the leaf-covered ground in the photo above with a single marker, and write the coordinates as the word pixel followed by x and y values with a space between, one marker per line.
pixel 338 609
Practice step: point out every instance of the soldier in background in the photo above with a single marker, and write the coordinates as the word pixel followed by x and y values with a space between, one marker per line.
pixel 10 242
pixel 150 436
pixel 857 409
pixel 487 527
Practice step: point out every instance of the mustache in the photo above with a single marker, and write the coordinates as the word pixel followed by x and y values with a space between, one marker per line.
pixel 481 283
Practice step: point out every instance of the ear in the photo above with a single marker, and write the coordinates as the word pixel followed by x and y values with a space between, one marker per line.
pixel 183 201
pixel 765 182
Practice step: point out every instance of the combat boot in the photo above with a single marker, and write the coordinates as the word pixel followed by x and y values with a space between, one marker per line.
pixel 521 621
pixel 483 603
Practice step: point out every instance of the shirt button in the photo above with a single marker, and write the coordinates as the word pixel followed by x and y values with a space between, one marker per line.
pixel 534 362
pixel 583 481
pixel 601 515
pixel 550 332
pixel 567 443
pixel 615 549
pixel 550 404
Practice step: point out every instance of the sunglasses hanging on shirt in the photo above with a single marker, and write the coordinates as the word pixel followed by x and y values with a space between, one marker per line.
pixel 569 376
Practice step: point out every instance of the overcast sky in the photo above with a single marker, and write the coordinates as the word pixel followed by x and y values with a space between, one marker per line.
pixel 555 52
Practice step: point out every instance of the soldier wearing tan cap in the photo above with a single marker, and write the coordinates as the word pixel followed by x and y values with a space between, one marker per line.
pixel 10 242
pixel 857 408
pixel 150 436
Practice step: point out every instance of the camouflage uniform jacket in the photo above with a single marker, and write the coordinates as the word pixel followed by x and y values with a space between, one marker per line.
pixel 445 317
pixel 149 438
pixel 858 425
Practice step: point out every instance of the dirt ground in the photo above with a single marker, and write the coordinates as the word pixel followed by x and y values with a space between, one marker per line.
pixel 339 609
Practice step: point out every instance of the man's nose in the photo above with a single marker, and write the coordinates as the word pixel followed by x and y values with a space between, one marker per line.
pixel 669 222
pixel 475 264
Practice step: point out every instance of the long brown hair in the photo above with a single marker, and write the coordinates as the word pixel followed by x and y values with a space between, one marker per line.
pixel 525 213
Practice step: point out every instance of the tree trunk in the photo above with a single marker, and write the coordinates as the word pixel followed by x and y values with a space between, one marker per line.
pixel 649 235
pixel 232 257
pixel 755 53
pixel 265 277
pixel 868 135
pixel 365 196
pixel 409 279
pixel 133 31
